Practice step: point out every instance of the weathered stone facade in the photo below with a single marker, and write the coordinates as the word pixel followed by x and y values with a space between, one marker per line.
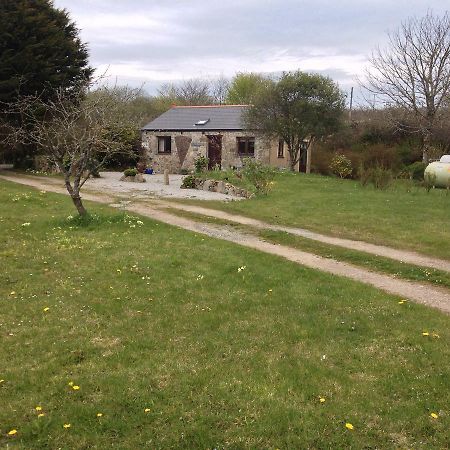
pixel 186 146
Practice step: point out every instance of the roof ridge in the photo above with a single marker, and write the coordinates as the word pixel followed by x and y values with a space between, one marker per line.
pixel 206 106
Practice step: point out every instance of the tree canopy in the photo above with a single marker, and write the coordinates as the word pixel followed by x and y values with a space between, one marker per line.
pixel 245 87
pixel 299 107
pixel 40 50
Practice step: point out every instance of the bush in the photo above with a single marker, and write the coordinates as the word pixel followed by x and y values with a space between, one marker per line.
pixel 379 177
pixel 416 170
pixel 130 172
pixel 184 172
pixel 188 182
pixel 340 165
pixel 201 164
pixel 259 175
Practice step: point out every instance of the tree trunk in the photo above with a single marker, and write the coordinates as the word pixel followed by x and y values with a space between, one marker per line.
pixel 426 144
pixel 79 205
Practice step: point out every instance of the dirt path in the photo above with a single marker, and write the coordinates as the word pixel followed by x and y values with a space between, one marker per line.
pixel 378 250
pixel 427 295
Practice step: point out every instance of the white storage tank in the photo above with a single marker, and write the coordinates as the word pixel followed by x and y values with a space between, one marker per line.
pixel 438 173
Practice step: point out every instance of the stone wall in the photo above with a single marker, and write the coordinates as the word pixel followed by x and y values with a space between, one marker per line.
pixel 189 145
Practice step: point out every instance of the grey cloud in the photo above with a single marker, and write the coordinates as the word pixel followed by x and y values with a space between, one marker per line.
pixel 209 37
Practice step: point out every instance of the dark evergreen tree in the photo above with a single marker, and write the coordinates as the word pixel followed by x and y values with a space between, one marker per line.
pixel 40 52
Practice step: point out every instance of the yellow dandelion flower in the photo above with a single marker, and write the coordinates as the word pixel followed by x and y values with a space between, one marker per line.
pixel 434 415
pixel 401 302
pixel 99 414
pixel 147 410
pixel 425 333
pixel 13 293
pixel 270 290
pixel 321 399
pixel 46 309
pixel 2 381
pixel 349 426
pixel 67 425
pixel 38 408
pixel 76 388
pixel 41 415
pixel 12 432
pixel 71 383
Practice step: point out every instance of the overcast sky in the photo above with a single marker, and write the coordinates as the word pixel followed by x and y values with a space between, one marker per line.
pixel 153 42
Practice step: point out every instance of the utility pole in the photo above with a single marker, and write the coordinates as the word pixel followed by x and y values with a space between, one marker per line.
pixel 351 105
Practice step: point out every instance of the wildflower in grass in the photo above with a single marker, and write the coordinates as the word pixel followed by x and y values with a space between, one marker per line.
pixel 75 387
pixel 67 425
pixel 46 309
pixel 69 217
pixel 71 383
pixel 99 414
pixel 435 335
pixel 147 410
pixel 199 277
pixel 26 224
pixel 425 333
pixel 434 415
pixel 12 293
pixel 38 408
pixel 2 381
pixel 270 291
pixel 401 302
pixel 349 426
pixel 12 432
pixel 321 399
pixel 41 415
pixel 240 269
pixel 119 271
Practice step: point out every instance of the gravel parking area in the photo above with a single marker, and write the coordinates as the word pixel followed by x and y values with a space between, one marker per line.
pixel 153 187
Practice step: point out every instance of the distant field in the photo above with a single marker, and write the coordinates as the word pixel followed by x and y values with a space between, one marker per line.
pixel 176 347
pixel 414 220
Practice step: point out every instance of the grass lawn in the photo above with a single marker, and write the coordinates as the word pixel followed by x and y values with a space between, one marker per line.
pixel 414 220
pixel 178 349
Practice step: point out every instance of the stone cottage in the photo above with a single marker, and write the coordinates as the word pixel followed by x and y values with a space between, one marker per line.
pixel 176 138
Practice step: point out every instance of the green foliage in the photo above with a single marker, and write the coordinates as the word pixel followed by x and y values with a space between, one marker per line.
pixel 416 170
pixel 259 175
pixel 40 50
pixel 200 164
pixel 299 107
pixel 130 172
pixel 340 165
pixel 245 88
pixel 188 182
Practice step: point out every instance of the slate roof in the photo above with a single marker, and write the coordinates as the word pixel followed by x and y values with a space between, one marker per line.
pixel 184 118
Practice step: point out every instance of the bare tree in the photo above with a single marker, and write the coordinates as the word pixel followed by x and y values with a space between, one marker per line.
pixel 191 92
pixel 76 132
pixel 412 75
pixel 219 89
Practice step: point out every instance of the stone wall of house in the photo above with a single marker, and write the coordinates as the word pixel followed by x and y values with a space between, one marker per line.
pixel 188 145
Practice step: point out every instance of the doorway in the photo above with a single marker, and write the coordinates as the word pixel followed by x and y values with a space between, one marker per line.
pixel 214 151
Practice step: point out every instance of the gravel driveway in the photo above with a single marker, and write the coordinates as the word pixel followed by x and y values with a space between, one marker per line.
pixel 153 187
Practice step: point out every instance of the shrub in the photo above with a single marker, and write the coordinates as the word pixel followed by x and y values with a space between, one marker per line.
pixel 416 170
pixel 381 178
pixel 188 182
pixel 259 175
pixel 130 172
pixel 340 165
pixel 184 172
pixel 201 164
